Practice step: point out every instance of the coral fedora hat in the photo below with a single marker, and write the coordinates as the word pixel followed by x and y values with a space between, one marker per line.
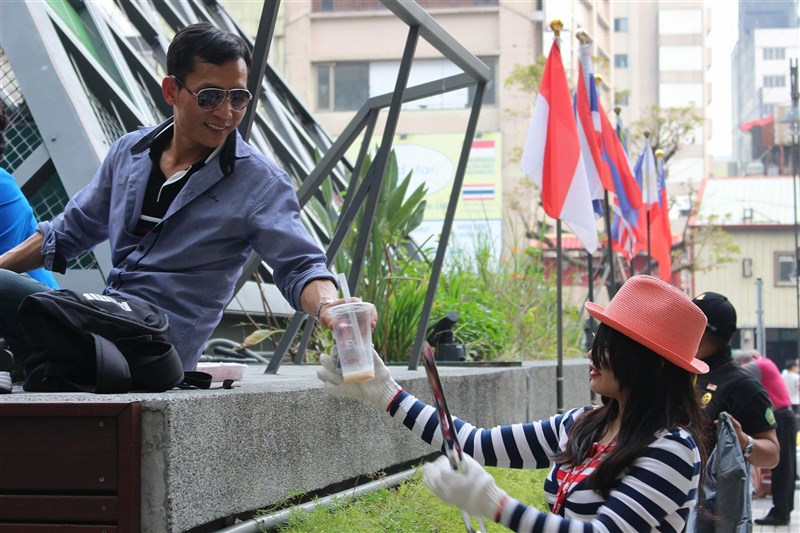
pixel 658 316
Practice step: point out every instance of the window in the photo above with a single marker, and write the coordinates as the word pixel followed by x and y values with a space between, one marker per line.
pixel 774 81
pixel 345 86
pixel 621 60
pixel 680 94
pixel 621 97
pixel 342 86
pixel 785 269
pixel 621 24
pixel 680 58
pixel 767 110
pixel 680 21
pixel 489 96
pixel 774 53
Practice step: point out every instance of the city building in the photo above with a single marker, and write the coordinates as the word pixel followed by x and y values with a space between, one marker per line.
pixel 661 58
pixel 754 210
pixel 769 36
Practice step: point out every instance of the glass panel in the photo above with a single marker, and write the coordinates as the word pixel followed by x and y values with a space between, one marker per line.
pixel 324 86
pixel 786 274
pixel 490 94
pixel 84 30
pixel 22 135
pixel 351 85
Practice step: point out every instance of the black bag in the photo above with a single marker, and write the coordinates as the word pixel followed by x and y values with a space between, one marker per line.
pixel 98 343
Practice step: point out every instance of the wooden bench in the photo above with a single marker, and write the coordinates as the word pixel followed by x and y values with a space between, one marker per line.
pixel 70 467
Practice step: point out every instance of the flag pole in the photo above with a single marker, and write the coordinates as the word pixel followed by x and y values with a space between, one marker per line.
pixel 647 195
pixel 607 218
pixel 620 135
pixel 556 25
pixel 559 324
pixel 583 38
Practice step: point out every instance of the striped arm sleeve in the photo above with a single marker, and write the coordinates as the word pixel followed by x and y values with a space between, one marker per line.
pixel 530 445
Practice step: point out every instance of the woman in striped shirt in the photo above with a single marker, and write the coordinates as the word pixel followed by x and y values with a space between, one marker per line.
pixel 632 464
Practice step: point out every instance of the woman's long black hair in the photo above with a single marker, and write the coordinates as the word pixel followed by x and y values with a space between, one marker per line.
pixel 660 395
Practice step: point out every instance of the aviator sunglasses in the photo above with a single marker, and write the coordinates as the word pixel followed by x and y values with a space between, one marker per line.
pixel 211 98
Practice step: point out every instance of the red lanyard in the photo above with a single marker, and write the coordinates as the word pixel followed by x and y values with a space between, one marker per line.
pixel 575 475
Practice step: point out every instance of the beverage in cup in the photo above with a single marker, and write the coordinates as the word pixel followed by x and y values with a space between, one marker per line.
pixel 352 333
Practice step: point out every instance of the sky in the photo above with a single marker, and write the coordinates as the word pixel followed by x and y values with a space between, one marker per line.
pixel 721 39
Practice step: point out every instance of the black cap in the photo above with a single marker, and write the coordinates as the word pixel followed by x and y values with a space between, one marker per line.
pixel 720 314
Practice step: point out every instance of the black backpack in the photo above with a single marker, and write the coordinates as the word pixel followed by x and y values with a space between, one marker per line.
pixel 84 342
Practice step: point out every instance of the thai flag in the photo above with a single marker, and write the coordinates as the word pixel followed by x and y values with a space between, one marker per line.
pixel 552 154
pixel 477 192
pixel 587 116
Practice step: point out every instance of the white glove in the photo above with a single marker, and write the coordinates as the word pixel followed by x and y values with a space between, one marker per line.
pixel 379 391
pixel 475 491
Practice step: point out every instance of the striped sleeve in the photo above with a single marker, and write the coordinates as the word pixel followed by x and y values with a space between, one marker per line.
pixel 530 445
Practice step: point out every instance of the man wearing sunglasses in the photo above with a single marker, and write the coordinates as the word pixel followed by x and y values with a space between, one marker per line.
pixel 183 205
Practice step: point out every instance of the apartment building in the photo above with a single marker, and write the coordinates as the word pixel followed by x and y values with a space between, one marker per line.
pixel 661 58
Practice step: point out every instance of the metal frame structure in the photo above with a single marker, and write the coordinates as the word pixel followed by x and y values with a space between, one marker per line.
pixel 85 73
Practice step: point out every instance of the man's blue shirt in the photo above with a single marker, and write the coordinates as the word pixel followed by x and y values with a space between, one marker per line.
pixel 189 263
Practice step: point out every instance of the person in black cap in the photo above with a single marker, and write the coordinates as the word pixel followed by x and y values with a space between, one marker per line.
pixel 726 387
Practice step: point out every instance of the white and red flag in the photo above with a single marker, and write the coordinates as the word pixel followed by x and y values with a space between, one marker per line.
pixel 552 154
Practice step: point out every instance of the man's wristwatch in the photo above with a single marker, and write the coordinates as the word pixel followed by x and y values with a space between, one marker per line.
pixel 322 304
pixel 748 450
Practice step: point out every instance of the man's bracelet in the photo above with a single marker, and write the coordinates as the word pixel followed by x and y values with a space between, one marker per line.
pixel 322 304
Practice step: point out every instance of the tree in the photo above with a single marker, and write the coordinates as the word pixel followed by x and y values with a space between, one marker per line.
pixel 670 129
pixel 526 77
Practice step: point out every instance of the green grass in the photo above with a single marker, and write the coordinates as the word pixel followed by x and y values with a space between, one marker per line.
pixel 411 507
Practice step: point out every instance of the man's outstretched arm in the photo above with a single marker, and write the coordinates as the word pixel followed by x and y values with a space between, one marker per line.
pixel 26 256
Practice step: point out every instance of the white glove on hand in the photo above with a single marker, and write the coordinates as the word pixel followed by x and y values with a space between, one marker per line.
pixel 379 391
pixel 475 491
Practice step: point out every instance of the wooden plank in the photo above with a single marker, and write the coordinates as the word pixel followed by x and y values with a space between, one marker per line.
pixel 30 508
pixel 12 409
pixel 47 453
pixel 129 461
pixel 57 528
pixel 79 461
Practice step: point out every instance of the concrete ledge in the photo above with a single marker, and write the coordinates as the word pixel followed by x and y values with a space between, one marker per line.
pixel 207 455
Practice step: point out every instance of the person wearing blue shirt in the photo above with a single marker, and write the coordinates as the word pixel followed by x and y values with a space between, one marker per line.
pixel 184 204
pixel 17 221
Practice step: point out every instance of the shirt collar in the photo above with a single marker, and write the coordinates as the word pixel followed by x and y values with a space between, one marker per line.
pixel 718 358
pixel 157 139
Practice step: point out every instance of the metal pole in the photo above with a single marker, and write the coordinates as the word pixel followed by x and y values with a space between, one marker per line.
pixel 613 279
pixel 559 325
pixel 589 330
pixel 761 342
pixel 795 127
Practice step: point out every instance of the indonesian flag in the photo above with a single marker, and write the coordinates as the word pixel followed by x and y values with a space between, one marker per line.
pixel 552 155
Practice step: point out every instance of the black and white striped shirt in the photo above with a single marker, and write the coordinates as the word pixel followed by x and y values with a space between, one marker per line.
pixel 655 493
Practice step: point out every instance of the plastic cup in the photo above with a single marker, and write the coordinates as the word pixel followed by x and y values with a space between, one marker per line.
pixel 352 333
